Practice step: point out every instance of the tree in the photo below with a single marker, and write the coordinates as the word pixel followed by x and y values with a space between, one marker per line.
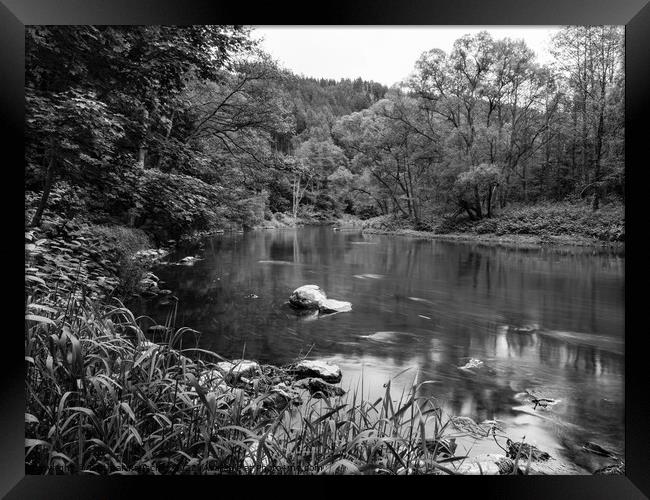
pixel 100 95
pixel 591 59
pixel 475 189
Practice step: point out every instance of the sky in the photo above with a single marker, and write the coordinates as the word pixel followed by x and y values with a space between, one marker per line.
pixel 383 54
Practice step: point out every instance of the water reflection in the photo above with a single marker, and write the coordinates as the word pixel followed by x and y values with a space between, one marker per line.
pixel 435 305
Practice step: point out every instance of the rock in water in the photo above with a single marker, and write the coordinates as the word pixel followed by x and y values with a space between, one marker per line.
pixel 312 297
pixel 188 261
pixel 530 328
pixel 597 449
pixel 282 395
pixel 329 372
pixel 614 469
pixel 331 306
pixel 472 363
pixel 307 297
pixel 524 450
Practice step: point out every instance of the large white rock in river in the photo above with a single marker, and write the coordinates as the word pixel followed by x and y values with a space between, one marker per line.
pixel 329 372
pixel 312 297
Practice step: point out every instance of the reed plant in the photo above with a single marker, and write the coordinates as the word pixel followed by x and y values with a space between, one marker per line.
pixel 103 399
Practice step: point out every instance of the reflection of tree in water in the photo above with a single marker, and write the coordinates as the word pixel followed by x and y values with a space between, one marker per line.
pixel 469 264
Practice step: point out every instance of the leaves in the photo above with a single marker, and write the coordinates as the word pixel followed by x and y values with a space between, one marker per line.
pixel 39 319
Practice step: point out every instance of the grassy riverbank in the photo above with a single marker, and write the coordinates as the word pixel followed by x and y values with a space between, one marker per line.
pixel 527 226
pixel 101 399
pixel 281 220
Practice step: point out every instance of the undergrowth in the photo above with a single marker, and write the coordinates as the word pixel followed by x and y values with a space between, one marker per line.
pixel 556 219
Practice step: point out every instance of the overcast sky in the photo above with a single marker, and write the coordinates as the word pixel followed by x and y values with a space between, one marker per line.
pixel 383 54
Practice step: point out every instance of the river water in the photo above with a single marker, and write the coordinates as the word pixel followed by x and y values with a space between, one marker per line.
pixel 427 307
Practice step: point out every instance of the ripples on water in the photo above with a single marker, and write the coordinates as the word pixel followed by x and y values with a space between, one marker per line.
pixel 432 306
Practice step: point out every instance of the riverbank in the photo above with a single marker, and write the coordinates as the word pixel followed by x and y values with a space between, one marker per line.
pixel 531 226
pixel 507 240
pixel 281 220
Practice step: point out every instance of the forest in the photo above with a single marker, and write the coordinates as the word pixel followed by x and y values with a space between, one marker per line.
pixel 122 120
pixel 141 139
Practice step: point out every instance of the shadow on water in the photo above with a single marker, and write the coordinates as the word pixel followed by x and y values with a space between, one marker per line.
pixel 548 320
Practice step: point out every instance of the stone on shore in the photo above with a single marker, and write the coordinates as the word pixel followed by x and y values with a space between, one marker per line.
pixel 550 467
pixel 329 372
pixel 281 395
pixel 524 450
pixel 487 465
pixel 319 388
pixel 235 370
pixel 535 462
pixel 250 459
pixel 213 380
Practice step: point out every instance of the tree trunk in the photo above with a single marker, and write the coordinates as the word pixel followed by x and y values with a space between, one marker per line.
pixel 296 192
pixel 599 147
pixel 167 134
pixel 477 201
pixel 142 148
pixel 489 201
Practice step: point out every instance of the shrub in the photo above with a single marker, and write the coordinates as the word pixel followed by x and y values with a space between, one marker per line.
pixel 122 243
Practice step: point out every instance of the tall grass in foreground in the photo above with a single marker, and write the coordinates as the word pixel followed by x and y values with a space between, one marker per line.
pixel 101 399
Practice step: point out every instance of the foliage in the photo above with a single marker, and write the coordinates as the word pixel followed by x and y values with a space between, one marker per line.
pixel 101 399
pixel 475 189
pixel 168 205
pixel 72 256
pixel 547 132
pixel 608 224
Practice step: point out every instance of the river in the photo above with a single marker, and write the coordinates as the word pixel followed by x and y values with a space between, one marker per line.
pixel 429 306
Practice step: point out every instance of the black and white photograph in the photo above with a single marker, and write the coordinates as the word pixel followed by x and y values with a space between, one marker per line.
pixel 323 250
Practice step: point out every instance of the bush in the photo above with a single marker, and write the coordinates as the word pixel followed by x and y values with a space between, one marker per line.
pixel 73 255
pixel 606 224
pixel 169 205
pixel 249 212
pixel 571 219
pixel 487 226
pixel 122 243
pixel 388 222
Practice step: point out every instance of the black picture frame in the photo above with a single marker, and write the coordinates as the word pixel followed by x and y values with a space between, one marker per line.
pixel 634 14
